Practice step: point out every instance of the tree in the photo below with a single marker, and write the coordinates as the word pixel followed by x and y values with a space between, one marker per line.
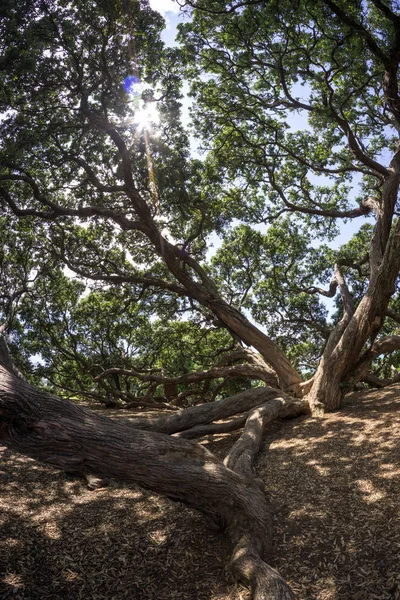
pixel 85 190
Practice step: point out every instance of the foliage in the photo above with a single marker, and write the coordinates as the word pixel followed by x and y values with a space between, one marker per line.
pixel 107 226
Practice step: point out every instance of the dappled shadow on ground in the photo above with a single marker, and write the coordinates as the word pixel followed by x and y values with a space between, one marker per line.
pixel 60 540
pixel 335 486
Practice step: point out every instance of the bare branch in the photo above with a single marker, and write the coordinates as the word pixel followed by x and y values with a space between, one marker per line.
pixel 359 29
pixel 55 211
pixel 354 146
pixel 92 176
pixel 362 210
pixel 145 280
pixel 243 371
pixel 347 299
pixel 328 171
pixel 385 345
pixel 197 5
pixel 388 60
pixel 329 293
pixel 378 382
pixel 357 266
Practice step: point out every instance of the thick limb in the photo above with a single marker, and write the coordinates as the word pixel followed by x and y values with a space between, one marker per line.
pixel 60 433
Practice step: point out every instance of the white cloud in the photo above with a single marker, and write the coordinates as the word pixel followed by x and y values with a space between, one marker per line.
pixel 164 6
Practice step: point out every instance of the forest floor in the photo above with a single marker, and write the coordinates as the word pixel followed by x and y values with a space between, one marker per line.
pixel 334 484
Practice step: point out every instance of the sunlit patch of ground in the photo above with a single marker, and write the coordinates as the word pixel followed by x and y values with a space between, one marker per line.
pixel 335 487
pixel 334 484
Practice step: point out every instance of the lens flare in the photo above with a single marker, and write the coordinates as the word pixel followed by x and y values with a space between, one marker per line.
pixel 130 84
pixel 144 119
pixel 147 116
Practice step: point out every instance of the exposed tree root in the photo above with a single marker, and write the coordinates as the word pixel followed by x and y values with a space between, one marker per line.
pixel 378 382
pixel 207 413
pixel 232 424
pixel 241 456
pixel 251 544
pixel 60 433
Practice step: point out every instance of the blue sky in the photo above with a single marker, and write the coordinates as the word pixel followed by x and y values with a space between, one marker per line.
pixel 171 12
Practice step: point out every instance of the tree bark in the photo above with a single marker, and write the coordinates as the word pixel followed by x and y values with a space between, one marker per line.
pixel 58 432
pixel 241 456
pixel 348 339
pixel 385 345
pixel 197 431
pixel 258 370
pixel 335 369
pixel 188 272
pixel 207 413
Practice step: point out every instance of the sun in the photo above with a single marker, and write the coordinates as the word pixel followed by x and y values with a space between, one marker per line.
pixel 146 117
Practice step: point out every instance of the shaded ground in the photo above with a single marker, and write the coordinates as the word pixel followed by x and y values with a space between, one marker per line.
pixel 334 484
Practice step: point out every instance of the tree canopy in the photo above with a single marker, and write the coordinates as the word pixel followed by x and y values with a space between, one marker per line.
pixel 137 271
pixel 295 105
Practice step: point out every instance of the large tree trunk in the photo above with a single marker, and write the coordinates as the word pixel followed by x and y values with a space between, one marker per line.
pixel 60 433
pixel 289 379
pixel 348 339
pixel 340 359
pixel 336 366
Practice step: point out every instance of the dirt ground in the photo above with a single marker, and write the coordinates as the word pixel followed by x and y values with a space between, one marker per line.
pixel 334 484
